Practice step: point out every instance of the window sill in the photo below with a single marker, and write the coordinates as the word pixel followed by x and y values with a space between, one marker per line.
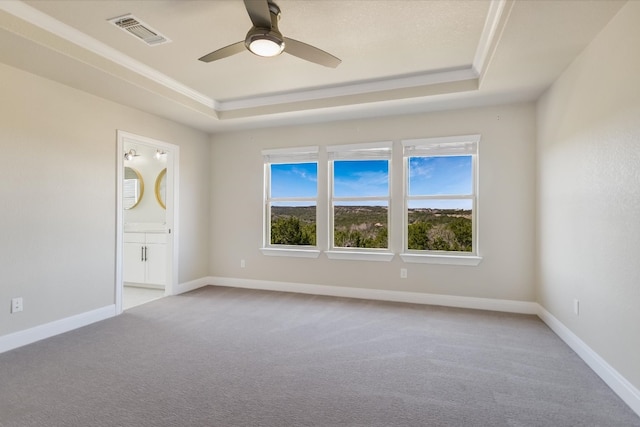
pixel 360 256
pixel 291 252
pixel 442 259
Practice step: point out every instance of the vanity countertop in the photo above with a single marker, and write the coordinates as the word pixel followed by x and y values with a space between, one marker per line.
pixel 145 227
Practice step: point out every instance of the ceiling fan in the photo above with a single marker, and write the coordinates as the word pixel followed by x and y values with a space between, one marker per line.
pixel 264 38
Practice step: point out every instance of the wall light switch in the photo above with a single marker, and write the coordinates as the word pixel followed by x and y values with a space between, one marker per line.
pixel 403 273
pixel 576 307
pixel 242 264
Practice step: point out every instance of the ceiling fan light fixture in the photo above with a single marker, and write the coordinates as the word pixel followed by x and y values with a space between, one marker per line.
pixel 265 39
pixel 265 44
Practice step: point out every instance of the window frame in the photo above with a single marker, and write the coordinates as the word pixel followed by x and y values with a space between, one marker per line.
pixel 464 145
pixel 358 152
pixel 291 156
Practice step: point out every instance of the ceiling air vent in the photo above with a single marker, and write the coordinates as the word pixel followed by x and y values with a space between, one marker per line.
pixel 139 29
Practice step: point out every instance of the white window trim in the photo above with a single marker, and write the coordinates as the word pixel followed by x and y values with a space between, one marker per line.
pixel 295 252
pixel 363 151
pixel 291 155
pixel 294 155
pixel 432 258
pixel 361 254
pixel 442 146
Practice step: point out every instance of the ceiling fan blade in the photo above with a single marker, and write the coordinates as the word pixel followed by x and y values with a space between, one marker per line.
pixel 310 53
pixel 224 52
pixel 258 11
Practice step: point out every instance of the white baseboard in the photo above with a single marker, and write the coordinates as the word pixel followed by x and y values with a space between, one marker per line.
pixel 37 333
pixel 619 384
pixel 523 307
pixel 40 332
pixel 192 285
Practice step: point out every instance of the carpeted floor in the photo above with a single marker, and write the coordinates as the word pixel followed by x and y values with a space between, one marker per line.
pixel 231 357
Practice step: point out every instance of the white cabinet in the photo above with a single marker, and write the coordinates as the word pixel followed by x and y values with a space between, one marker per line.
pixel 134 264
pixel 145 258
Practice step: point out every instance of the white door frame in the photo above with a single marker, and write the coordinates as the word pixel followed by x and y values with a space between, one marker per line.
pixel 171 203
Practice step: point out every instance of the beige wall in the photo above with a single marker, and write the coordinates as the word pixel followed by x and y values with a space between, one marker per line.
pixel 589 195
pixel 506 213
pixel 58 189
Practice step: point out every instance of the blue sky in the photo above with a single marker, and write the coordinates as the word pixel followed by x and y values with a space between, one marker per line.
pixel 294 180
pixel 439 175
pixel 429 176
pixel 360 178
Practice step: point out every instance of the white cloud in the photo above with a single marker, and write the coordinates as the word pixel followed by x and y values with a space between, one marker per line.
pixel 302 173
pixel 365 183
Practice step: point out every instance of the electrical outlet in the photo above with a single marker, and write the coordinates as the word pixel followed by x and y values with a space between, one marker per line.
pixel 242 264
pixel 403 273
pixel 16 305
pixel 576 307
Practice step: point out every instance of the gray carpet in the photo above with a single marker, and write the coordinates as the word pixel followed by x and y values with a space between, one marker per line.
pixel 232 357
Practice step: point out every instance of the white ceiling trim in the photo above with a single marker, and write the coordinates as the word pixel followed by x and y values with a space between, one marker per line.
pixel 60 29
pixel 488 35
pixel 474 71
pixel 424 79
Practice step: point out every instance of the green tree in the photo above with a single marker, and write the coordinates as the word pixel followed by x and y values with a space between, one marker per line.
pixel 381 239
pixel 340 238
pixel 291 231
pixel 349 239
pixel 419 236
pixel 309 234
pixel 461 228
pixel 447 234
pixel 441 238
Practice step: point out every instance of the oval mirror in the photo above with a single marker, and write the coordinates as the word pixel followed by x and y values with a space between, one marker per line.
pixel 161 188
pixel 133 188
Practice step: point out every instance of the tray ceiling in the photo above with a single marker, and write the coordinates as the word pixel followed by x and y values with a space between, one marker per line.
pixel 398 56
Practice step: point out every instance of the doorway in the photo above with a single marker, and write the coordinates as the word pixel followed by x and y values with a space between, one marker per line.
pixel 147 200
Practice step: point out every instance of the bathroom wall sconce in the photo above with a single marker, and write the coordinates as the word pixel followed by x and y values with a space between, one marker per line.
pixel 130 154
pixel 159 154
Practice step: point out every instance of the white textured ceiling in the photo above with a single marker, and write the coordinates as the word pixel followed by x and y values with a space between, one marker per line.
pixel 398 55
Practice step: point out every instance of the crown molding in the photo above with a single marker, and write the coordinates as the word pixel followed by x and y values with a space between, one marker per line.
pixel 486 45
pixel 357 88
pixel 33 16
pixel 426 84
pixel 492 27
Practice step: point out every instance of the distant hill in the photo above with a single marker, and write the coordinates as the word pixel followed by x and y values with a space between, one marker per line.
pixel 346 215
pixel 366 227
pixel 304 213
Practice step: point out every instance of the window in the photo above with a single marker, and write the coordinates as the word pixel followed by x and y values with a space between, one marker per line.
pixel 291 198
pixel 440 196
pixel 356 212
pixel 359 196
